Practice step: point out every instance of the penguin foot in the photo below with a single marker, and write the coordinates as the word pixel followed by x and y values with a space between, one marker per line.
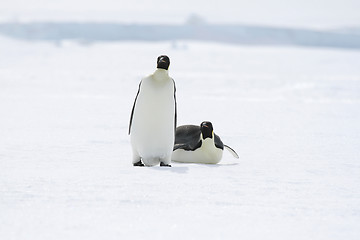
pixel 164 165
pixel 138 164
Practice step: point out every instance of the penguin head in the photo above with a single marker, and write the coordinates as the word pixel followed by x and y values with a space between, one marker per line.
pixel 206 130
pixel 163 62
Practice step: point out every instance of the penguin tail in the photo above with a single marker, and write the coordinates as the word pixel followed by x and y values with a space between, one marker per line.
pixel 232 151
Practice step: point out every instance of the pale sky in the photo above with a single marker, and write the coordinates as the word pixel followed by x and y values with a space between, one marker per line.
pixel 283 13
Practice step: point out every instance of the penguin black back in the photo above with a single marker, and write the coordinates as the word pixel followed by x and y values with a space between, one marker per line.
pixel 187 137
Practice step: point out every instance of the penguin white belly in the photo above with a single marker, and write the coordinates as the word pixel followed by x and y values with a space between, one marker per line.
pixel 207 153
pixel 152 131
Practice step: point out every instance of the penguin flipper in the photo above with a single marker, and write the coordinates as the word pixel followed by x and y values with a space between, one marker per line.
pixel 185 146
pixel 133 108
pixel 175 114
pixel 232 151
pixel 179 146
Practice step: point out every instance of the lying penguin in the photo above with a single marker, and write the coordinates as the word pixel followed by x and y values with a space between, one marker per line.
pixel 198 144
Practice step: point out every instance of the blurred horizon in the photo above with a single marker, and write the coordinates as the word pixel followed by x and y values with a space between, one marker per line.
pixel 324 15
pixel 195 29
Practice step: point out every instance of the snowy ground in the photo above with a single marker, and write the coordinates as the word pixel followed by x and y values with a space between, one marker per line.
pixel 292 114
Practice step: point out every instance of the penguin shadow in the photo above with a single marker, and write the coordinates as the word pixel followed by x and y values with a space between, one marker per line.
pixel 218 165
pixel 178 168
pixel 175 169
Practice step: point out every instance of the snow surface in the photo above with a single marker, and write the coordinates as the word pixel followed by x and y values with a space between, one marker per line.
pixel 292 114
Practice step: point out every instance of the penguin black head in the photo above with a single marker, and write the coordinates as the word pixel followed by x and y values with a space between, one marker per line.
pixel 163 62
pixel 206 129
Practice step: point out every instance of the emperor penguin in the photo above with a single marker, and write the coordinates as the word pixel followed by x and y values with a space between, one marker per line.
pixel 198 144
pixel 153 118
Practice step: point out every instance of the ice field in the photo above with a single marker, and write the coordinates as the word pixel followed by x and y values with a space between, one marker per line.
pixel 292 114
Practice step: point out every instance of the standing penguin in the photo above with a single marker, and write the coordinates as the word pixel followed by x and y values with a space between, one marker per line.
pixel 153 118
pixel 198 144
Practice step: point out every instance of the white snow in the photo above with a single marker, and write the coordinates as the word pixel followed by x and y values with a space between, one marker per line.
pixel 292 114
